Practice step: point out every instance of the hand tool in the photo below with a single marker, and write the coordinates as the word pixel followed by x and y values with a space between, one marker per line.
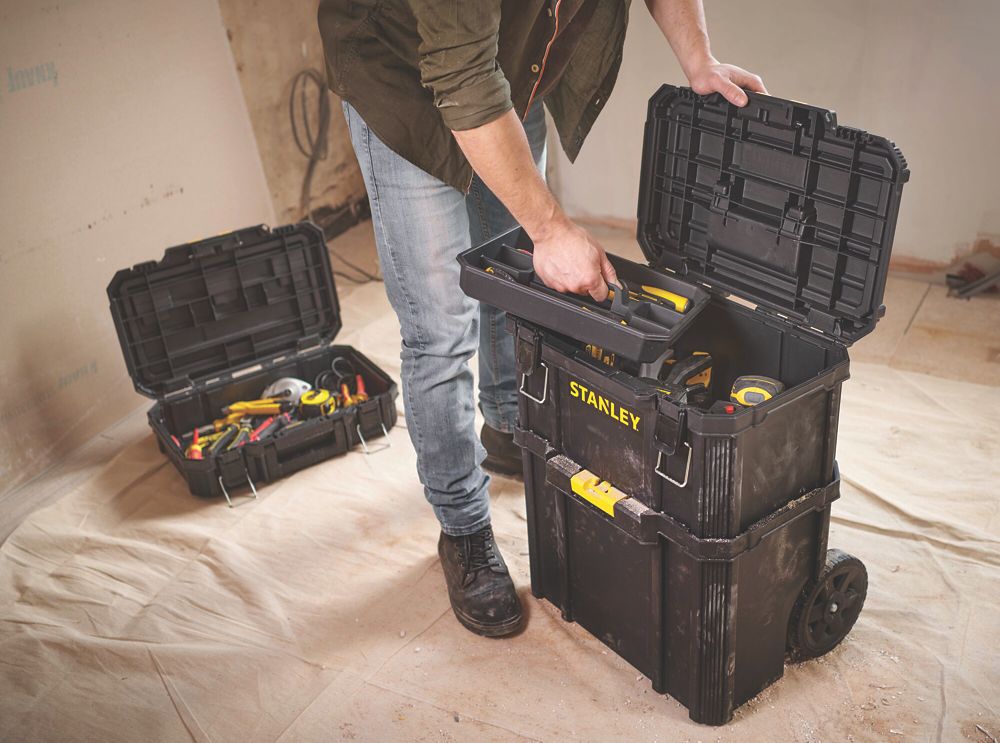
pixel 269 427
pixel 681 304
pixel 242 435
pixel 340 369
pixel 658 296
pixel 265 406
pixel 691 370
pixel 316 403
pixel 194 450
pixel 598 353
pixel 360 394
pixel 726 408
pixel 223 439
pixel 753 390
pixel 286 388
pixel 693 395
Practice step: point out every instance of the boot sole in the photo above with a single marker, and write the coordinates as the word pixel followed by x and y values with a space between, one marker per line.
pixel 489 630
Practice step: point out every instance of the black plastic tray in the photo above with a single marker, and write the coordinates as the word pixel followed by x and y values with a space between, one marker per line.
pixel 500 273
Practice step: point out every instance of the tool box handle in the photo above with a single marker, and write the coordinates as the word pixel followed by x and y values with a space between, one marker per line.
pixel 621 306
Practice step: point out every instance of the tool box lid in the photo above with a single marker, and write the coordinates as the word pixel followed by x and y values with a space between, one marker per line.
pixel 774 203
pixel 209 309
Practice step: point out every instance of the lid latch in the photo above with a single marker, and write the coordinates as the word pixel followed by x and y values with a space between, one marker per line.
pixel 529 349
pixel 668 440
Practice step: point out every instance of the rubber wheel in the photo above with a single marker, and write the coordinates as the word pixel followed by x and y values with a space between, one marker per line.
pixel 827 609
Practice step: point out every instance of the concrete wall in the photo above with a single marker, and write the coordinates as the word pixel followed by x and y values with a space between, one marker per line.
pixel 272 41
pixel 921 72
pixel 122 131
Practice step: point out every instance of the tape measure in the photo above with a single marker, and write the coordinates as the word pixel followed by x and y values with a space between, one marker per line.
pixel 753 390
pixel 316 403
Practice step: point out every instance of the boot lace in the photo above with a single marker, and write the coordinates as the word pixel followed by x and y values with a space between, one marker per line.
pixel 480 552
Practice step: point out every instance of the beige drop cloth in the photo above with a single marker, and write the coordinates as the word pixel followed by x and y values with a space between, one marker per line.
pixel 132 611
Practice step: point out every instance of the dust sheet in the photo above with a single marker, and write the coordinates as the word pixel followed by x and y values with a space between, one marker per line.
pixel 131 610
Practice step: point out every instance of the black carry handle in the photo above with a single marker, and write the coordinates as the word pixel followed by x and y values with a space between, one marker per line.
pixel 511 273
pixel 620 305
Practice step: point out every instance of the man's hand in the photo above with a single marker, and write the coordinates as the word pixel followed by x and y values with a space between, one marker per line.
pixel 683 24
pixel 715 77
pixel 568 259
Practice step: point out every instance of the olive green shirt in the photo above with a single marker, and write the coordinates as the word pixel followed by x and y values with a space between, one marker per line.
pixel 417 69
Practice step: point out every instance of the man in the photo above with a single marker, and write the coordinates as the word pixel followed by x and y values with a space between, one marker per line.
pixel 443 99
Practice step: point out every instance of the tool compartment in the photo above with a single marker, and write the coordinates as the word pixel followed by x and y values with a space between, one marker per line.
pixel 693 542
pixel 214 322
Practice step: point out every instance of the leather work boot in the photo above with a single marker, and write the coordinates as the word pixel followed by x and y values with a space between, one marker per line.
pixel 503 456
pixel 479 585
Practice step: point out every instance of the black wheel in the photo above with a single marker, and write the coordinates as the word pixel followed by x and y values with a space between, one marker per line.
pixel 827 609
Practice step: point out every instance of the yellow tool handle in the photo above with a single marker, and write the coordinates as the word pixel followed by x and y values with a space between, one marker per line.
pixel 680 303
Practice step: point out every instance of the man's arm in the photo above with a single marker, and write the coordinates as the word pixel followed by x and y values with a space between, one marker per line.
pixel 566 257
pixel 683 24
pixel 458 65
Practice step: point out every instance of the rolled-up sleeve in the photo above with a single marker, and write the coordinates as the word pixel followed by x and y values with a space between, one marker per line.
pixel 458 60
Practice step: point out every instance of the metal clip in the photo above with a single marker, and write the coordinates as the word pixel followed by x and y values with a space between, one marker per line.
pixel 545 386
pixel 668 478
pixel 225 492
pixel 364 444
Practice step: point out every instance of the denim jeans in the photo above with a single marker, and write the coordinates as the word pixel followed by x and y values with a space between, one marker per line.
pixel 421 225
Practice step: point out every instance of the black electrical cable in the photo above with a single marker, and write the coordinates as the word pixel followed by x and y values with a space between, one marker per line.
pixel 312 145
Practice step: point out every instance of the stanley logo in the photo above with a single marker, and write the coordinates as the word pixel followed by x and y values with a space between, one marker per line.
pixel 606 406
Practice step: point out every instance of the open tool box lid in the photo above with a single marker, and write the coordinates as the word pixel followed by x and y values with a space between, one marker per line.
pixel 774 203
pixel 208 310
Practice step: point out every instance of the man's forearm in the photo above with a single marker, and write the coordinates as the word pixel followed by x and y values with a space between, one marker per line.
pixel 683 24
pixel 565 256
pixel 500 155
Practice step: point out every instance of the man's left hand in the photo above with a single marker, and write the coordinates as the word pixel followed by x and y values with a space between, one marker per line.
pixel 715 77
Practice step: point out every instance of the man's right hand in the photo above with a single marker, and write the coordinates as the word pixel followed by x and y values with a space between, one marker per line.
pixel 568 259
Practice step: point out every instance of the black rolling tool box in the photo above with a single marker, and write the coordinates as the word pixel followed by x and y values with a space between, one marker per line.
pixel 690 536
pixel 215 322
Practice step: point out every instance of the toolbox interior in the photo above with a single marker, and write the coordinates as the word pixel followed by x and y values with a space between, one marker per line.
pixel 742 341
pixel 202 407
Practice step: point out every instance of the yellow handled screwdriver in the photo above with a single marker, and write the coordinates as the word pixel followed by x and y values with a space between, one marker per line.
pixel 658 296
pixel 680 303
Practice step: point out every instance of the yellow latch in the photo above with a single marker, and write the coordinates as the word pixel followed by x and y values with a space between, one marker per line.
pixel 594 490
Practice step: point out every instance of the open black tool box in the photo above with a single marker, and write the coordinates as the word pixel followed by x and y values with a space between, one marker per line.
pixel 686 531
pixel 213 323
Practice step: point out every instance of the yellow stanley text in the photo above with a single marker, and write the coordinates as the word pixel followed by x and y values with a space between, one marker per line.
pixel 608 407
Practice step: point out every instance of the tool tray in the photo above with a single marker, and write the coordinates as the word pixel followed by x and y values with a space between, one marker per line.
pixel 774 203
pixel 500 273
pixel 214 322
pixel 690 541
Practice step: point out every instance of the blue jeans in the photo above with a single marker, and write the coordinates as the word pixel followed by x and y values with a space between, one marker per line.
pixel 421 225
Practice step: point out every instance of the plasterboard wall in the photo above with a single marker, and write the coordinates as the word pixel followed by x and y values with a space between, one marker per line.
pixel 921 72
pixel 122 131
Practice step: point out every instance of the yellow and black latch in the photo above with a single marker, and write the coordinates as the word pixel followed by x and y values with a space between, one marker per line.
pixel 596 491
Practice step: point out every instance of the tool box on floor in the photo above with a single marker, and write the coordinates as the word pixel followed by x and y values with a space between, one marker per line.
pixel 210 326
pixel 684 529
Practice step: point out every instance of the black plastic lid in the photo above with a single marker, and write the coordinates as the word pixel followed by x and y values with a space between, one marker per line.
pixel 212 307
pixel 774 203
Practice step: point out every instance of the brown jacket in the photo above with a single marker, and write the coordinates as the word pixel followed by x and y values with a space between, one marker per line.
pixel 417 69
